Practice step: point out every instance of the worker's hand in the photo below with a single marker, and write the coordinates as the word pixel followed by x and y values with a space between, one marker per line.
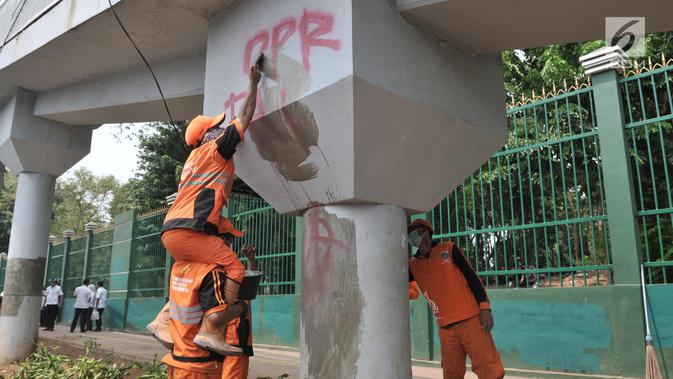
pixel 255 74
pixel 249 251
pixel 486 320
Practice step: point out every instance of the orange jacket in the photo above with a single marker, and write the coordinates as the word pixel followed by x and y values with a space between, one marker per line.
pixel 205 183
pixel 448 282
pixel 185 319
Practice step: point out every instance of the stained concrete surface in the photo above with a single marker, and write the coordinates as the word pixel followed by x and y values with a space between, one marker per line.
pixel 266 362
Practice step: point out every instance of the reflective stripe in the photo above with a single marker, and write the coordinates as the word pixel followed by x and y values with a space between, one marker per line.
pixel 185 315
pixel 188 183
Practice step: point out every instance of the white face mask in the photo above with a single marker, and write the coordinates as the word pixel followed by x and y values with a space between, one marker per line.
pixel 414 239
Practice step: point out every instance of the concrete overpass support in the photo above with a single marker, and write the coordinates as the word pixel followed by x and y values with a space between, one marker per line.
pixel 362 119
pixel 38 151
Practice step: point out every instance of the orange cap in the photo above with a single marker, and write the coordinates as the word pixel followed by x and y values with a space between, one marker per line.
pixel 421 222
pixel 198 127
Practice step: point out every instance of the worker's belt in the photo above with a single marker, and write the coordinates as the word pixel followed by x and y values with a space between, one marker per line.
pixel 451 325
pixel 213 357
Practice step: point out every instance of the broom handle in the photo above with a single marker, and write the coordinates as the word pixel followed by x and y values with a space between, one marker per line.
pixel 642 282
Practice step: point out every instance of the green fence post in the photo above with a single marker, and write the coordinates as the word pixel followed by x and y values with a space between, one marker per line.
pixel 618 178
pixel 89 227
pixel 604 66
pixel 120 266
pixel 50 247
pixel 298 243
pixel 3 257
pixel 67 236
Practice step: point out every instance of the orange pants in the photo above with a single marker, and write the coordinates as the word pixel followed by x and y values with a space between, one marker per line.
pixel 179 373
pixel 195 246
pixel 467 338
pixel 235 367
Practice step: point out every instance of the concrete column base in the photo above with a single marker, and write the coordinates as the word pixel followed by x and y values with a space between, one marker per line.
pixel 355 311
pixel 28 243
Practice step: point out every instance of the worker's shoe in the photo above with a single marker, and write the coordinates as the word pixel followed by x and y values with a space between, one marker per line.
pixel 212 334
pixel 160 329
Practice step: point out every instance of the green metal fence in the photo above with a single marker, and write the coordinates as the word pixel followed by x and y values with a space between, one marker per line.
pixel 54 262
pixel 534 214
pixel 273 234
pixel 648 108
pixel 3 269
pixel 148 261
pixel 74 270
pixel 98 264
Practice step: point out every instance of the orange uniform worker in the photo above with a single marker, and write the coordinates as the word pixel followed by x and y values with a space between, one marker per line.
pixel 193 286
pixel 239 333
pixel 193 224
pixel 459 302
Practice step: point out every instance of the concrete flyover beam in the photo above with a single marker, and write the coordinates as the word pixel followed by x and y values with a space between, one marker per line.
pixel 346 115
pixel 31 144
pixel 129 95
pixel 483 26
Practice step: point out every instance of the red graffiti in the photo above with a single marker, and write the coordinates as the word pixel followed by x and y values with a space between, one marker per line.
pixel 261 38
pixel 230 103
pixel 324 23
pixel 279 36
pixel 320 242
pixel 311 28
pixel 312 25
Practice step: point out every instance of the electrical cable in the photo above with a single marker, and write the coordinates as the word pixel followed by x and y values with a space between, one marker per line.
pixel 16 18
pixel 143 58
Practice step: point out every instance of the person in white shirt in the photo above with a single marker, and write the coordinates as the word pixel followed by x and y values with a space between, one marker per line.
pixel 52 302
pixel 101 299
pixel 92 305
pixel 83 297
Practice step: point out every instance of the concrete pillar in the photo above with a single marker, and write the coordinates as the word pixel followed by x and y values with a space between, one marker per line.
pixel 354 321
pixel 20 315
pixel 345 116
pixel 38 151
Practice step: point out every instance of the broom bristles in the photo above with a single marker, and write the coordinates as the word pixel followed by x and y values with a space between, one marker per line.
pixel 652 370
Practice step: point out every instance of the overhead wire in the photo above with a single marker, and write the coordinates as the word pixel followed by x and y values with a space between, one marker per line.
pixel 16 18
pixel 156 81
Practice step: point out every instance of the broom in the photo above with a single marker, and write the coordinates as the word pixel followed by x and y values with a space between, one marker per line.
pixel 652 370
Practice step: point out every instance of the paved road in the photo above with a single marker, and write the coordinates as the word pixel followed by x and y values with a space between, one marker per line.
pixel 266 362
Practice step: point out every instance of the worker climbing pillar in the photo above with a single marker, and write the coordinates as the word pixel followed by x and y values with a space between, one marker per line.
pixel 354 133
pixel 38 151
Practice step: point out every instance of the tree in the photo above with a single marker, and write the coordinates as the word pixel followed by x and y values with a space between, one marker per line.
pixel 7 200
pixel 162 152
pixel 81 199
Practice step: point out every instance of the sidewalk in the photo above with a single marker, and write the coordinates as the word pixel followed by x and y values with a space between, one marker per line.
pixel 138 347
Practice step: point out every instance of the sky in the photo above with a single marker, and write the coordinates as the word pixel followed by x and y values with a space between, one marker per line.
pixel 109 154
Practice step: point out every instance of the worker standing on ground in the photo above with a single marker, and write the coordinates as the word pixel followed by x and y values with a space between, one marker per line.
pixel 52 302
pixel 239 332
pixel 459 302
pixel 193 224
pixel 197 290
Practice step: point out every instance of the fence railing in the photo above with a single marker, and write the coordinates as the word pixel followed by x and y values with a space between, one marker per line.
pixel 648 108
pixel 534 214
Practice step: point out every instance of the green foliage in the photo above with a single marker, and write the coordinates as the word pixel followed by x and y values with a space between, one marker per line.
pixel 154 370
pixel 82 198
pixel 45 364
pixel 162 152
pixel 7 199
pixel 531 69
